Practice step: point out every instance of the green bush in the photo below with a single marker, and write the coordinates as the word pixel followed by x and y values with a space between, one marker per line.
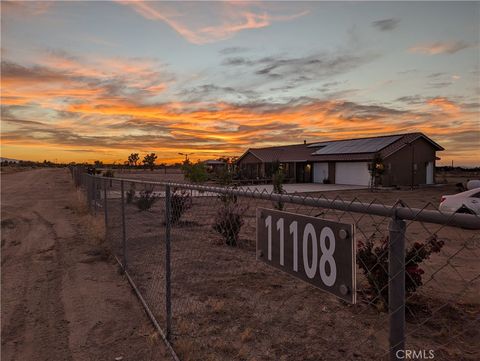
pixel 225 178
pixel 278 179
pixel 195 172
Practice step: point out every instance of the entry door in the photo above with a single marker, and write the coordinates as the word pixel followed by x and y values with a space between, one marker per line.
pixel 429 172
pixel 304 173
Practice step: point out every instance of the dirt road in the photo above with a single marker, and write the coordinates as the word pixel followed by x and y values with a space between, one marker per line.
pixel 62 298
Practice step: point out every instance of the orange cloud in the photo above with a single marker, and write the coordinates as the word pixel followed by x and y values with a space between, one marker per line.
pixel 444 104
pixel 74 109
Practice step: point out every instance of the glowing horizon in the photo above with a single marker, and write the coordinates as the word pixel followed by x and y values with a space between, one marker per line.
pixel 98 81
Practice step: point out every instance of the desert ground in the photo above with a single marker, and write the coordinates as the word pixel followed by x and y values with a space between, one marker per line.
pixel 62 295
pixel 229 306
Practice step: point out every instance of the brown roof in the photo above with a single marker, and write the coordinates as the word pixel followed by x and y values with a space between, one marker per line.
pixel 401 140
pixel 286 153
pixel 213 162
pixel 304 152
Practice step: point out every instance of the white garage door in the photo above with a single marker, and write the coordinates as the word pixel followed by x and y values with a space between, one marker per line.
pixel 320 172
pixel 355 173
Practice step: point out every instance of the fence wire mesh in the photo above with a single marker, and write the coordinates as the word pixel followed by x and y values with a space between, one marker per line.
pixel 226 305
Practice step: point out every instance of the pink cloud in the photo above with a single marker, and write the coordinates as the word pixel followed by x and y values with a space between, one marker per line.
pixel 198 29
pixel 440 47
pixel 27 7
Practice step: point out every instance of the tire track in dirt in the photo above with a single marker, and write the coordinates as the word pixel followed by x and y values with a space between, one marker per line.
pixel 58 301
pixel 38 318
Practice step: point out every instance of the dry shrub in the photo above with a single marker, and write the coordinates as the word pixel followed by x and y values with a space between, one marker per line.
pixel 79 203
pixel 243 353
pixel 131 193
pixel 146 200
pixel 93 228
pixel 228 222
pixel 186 349
pixel 180 202
pixel 246 335
pixel 218 305
pixel 96 230
pixel 224 347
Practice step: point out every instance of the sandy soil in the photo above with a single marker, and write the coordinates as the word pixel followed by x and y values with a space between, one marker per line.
pixel 62 296
pixel 13 169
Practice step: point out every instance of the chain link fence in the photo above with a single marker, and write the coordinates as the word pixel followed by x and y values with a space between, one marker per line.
pixel 189 252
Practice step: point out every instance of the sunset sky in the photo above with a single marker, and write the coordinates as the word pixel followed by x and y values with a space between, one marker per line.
pixel 98 80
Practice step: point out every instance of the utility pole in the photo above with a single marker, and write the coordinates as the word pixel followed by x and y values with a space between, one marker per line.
pixel 186 156
pixel 413 166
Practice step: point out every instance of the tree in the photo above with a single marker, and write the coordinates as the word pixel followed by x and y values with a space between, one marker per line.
pixel 229 161
pixel 195 172
pixel 133 159
pixel 98 164
pixel 376 169
pixel 149 161
pixel 278 178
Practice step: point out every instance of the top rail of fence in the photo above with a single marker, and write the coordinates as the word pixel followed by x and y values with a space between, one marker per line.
pixel 398 210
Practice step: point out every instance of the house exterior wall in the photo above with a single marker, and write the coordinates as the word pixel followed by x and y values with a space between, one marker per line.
pixel 331 172
pixel 320 172
pixel 398 166
pixel 249 158
pixel 251 167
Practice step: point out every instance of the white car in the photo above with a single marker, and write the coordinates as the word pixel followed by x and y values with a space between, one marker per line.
pixel 465 202
pixel 472 184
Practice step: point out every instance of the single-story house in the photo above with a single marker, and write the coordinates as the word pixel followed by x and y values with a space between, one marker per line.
pixel 214 165
pixel 403 160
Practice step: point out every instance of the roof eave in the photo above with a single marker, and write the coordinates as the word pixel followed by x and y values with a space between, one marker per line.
pixel 249 150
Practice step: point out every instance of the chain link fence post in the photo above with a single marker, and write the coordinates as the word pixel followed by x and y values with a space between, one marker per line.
pixel 105 207
pixel 396 289
pixel 124 232
pixel 94 195
pixel 89 194
pixel 168 300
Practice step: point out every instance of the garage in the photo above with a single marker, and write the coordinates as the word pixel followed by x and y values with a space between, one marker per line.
pixel 353 173
pixel 320 172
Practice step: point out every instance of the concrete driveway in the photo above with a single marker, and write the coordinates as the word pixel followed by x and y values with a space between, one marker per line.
pixel 303 187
